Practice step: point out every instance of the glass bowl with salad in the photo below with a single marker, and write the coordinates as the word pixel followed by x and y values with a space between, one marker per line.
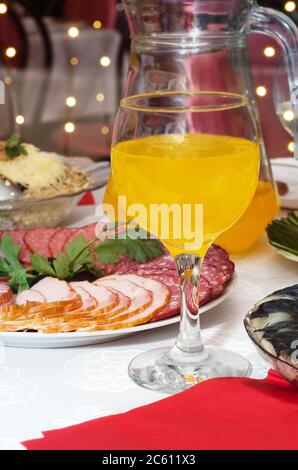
pixel 40 188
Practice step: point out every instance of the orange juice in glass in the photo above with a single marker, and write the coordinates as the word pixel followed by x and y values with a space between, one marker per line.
pixel 185 167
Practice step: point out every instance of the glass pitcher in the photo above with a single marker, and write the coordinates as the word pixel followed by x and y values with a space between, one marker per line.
pixel 202 45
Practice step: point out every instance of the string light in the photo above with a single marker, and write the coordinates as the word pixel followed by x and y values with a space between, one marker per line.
pixel 20 119
pixel 105 130
pixel 100 97
pixel 71 101
pixel 3 8
pixel 7 80
pixel 74 61
pixel 105 61
pixel 261 91
pixel 288 115
pixel 10 52
pixel 290 7
pixel 97 24
pixel 69 127
pixel 269 51
pixel 73 32
pixel 291 147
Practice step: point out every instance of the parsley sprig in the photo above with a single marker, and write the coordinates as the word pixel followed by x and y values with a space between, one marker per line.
pixel 10 266
pixel 14 147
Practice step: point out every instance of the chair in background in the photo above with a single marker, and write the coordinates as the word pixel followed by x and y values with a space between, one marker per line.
pixel 16 58
pixel 83 96
pixel 93 10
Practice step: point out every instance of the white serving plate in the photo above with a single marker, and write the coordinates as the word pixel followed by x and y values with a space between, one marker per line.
pixel 287 171
pixel 68 340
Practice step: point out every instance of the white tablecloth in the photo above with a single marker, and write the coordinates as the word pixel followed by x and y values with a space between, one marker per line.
pixel 46 389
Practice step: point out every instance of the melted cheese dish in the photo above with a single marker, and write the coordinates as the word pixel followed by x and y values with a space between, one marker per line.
pixel 35 170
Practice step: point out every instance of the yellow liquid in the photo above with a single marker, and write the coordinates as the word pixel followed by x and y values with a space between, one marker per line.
pixel 249 228
pixel 219 172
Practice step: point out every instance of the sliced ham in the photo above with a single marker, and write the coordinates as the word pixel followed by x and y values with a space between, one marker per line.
pixel 140 298
pixel 6 295
pixel 161 293
pixel 54 290
pixel 30 323
pixel 160 296
pixel 88 302
pixel 40 313
pixel 28 296
pixel 59 296
pixel 140 301
pixel 122 302
pixel 136 319
pixel 106 298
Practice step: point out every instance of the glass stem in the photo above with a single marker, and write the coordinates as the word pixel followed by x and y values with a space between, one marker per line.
pixel 189 342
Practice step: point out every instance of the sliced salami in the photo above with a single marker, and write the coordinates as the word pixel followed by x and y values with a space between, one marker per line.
pixel 58 240
pixel 173 307
pixel 37 239
pixel 216 251
pixel 224 265
pixel 216 278
pixel 158 265
pixel 88 231
pixel 216 271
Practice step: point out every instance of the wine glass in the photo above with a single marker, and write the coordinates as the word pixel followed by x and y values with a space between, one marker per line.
pixel 284 99
pixel 186 164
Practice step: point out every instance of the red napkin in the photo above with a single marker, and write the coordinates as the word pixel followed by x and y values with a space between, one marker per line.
pixel 225 413
pixel 87 200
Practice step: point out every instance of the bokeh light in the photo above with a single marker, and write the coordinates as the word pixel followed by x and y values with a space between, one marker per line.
pixel 261 90
pixel 3 8
pixel 105 61
pixel 71 101
pixel 69 127
pixel 73 32
pixel 20 119
pixel 11 52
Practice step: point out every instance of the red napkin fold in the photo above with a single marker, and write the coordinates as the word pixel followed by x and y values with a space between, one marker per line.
pixel 225 413
pixel 87 200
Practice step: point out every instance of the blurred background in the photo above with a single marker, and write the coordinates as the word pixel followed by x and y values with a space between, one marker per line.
pixel 64 63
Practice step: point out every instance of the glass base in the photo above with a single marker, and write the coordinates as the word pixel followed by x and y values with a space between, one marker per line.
pixel 156 370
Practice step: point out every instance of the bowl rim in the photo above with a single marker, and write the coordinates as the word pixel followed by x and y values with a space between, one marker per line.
pixel 11 204
pixel 250 331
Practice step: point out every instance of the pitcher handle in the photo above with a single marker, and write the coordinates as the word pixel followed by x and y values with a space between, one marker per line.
pixel 283 30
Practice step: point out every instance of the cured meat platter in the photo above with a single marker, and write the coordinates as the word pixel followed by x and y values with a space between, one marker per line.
pixel 67 340
pixel 77 286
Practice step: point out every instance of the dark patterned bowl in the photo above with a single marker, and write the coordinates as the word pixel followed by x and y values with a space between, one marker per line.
pixel 285 364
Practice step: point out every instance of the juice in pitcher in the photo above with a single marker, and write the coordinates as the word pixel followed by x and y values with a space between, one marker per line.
pixel 249 228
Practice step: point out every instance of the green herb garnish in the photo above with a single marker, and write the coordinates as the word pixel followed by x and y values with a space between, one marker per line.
pixel 80 256
pixel 14 148
pixel 134 246
pixel 283 233
pixel 10 266
pixel 76 259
